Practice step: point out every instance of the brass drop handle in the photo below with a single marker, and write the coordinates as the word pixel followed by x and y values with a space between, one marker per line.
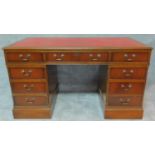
pixel 94 59
pixel 126 87
pixel 30 101
pixel 129 58
pixel 128 73
pixel 58 59
pixel 28 87
pixel 26 73
pixel 26 58
pixel 124 101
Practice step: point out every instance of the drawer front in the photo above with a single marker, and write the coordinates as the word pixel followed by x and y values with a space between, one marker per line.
pixel 124 100
pixel 28 87
pixel 30 100
pixel 94 57
pixel 24 57
pixel 130 56
pixel 27 73
pixel 58 57
pixel 126 88
pixel 128 73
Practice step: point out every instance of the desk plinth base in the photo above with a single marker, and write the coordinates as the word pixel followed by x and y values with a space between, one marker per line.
pixel 123 112
pixel 32 113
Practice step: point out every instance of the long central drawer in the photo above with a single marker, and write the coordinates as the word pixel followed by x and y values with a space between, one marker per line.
pixel 77 56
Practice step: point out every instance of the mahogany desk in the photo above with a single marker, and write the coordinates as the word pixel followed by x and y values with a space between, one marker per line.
pixel 34 92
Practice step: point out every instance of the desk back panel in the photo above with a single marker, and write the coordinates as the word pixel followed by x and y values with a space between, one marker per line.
pixel 80 78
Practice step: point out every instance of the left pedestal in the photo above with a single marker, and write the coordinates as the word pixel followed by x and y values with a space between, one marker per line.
pixel 29 84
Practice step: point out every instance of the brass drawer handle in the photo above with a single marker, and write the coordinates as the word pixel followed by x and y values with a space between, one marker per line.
pixel 129 58
pixel 127 73
pixel 26 73
pixel 126 87
pixel 94 59
pixel 30 101
pixel 26 58
pixel 124 101
pixel 58 59
pixel 28 87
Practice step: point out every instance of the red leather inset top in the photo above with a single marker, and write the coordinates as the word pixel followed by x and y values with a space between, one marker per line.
pixel 77 43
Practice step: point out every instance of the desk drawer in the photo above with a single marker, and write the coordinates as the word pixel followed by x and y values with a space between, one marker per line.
pixel 125 100
pixel 27 73
pixel 28 87
pixel 24 57
pixel 94 57
pixel 77 57
pixel 130 56
pixel 126 88
pixel 60 57
pixel 31 100
pixel 128 73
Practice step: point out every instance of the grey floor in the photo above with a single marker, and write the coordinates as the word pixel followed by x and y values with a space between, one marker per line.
pixel 75 106
pixel 78 106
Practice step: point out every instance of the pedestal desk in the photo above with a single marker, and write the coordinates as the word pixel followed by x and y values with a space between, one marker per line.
pixel 34 92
